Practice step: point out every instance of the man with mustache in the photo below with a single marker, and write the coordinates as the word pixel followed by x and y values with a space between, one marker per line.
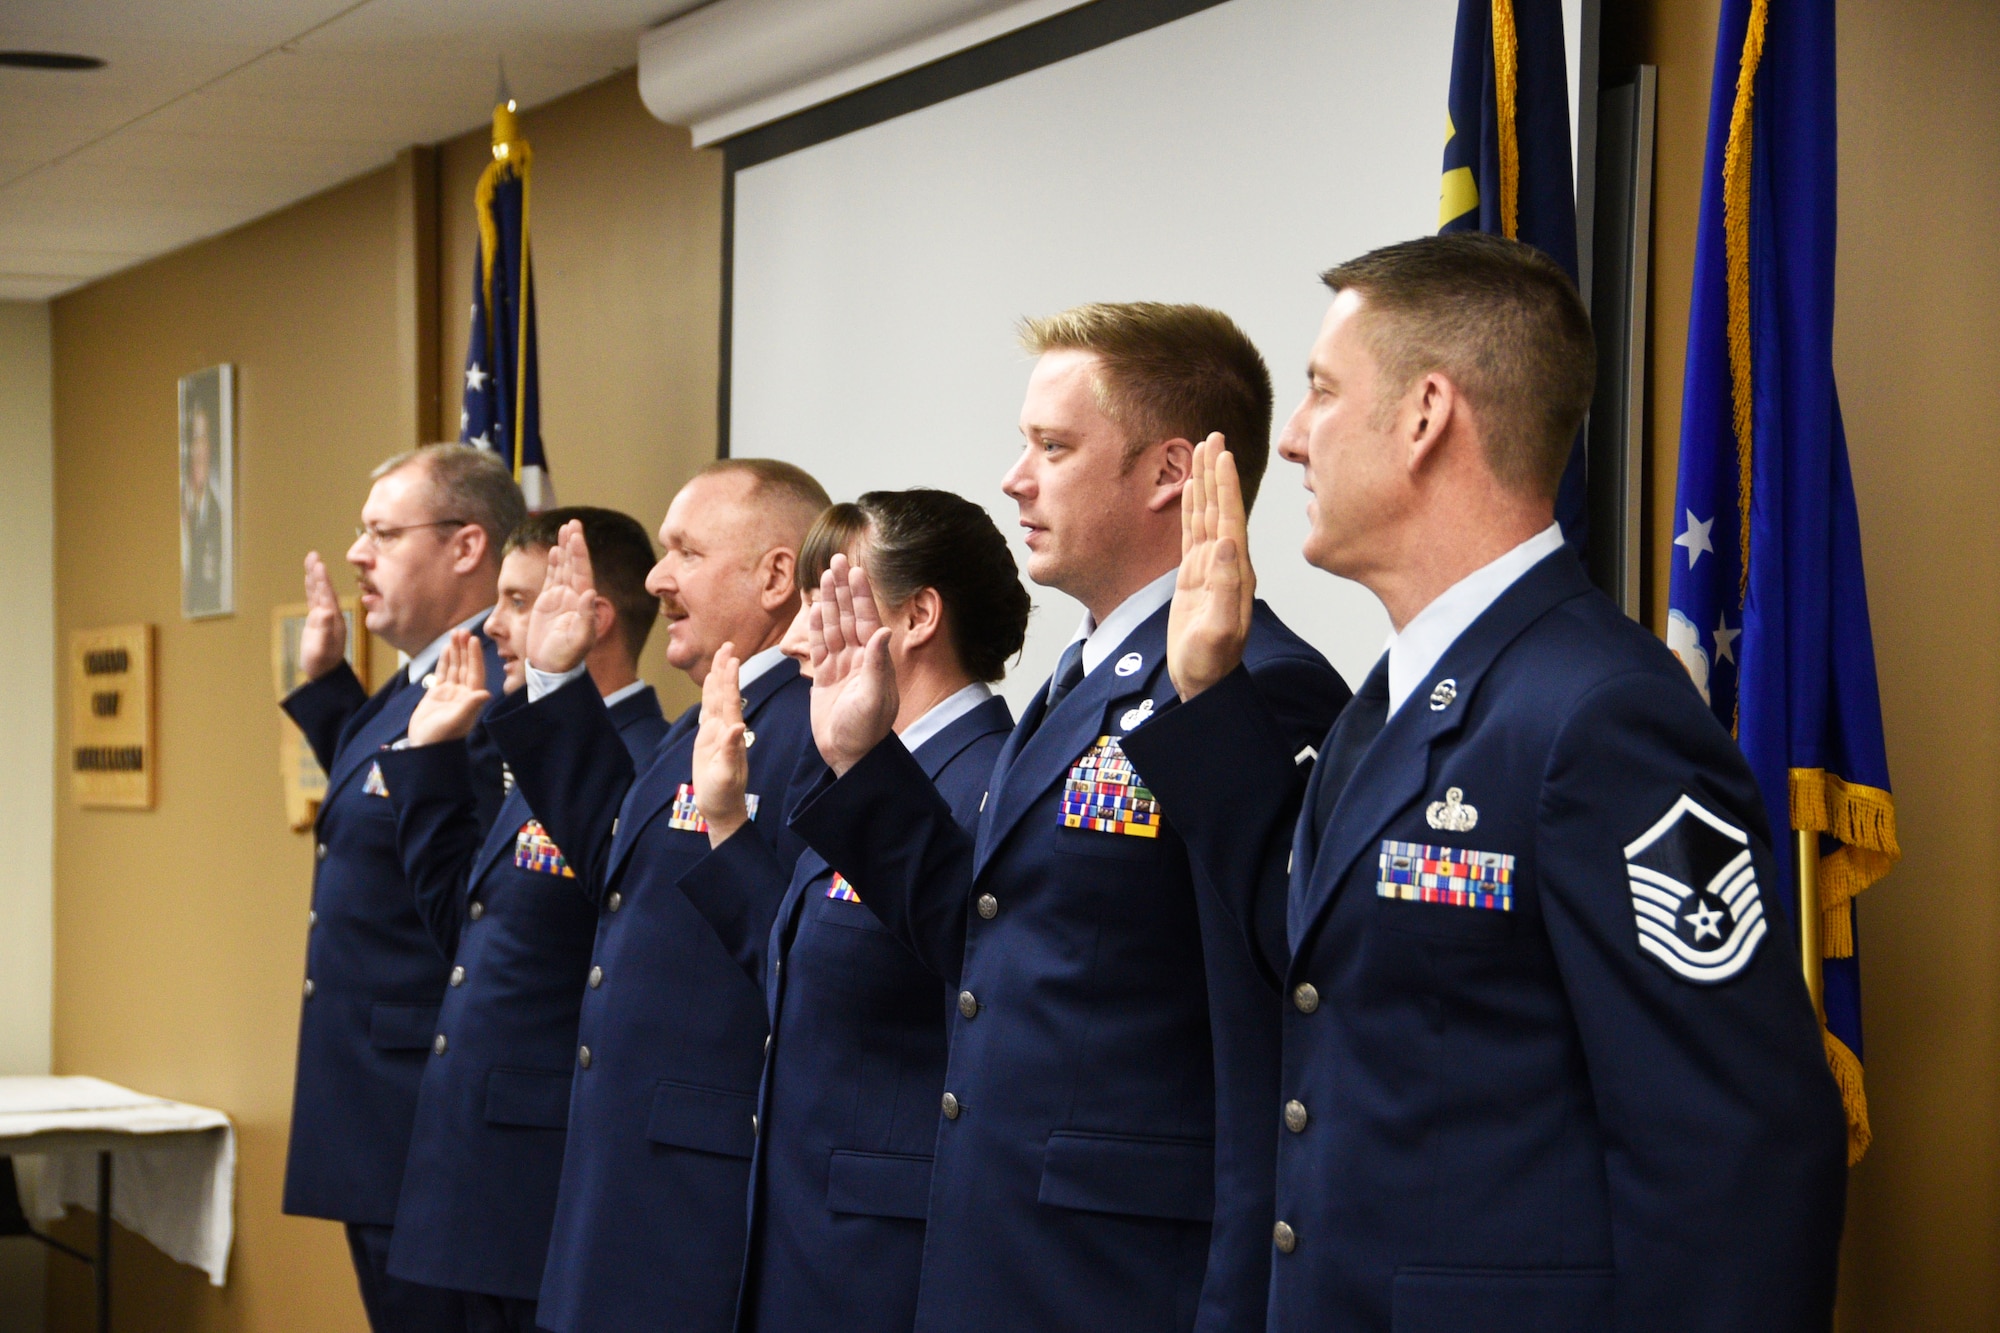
pixel 650 1215
pixel 428 556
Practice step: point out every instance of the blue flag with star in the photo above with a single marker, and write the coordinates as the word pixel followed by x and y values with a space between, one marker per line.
pixel 1507 158
pixel 501 410
pixel 1767 603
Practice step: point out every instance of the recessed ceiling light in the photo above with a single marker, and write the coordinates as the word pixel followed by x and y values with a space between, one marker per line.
pixel 47 60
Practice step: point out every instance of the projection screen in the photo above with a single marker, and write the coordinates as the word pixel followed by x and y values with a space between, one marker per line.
pixel 1224 158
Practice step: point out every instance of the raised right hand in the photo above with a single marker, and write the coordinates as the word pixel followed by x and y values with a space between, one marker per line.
pixel 455 695
pixel 1216 591
pixel 323 642
pixel 721 750
pixel 854 696
pixel 562 625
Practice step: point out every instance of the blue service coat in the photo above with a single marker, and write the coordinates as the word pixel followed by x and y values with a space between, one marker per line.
pixel 853 1072
pixel 374 976
pixel 649 1226
pixel 1107 1096
pixel 479 1193
pixel 1597 1101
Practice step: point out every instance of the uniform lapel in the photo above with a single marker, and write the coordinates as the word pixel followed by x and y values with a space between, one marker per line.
pixel 381 720
pixel 1064 733
pixel 1394 769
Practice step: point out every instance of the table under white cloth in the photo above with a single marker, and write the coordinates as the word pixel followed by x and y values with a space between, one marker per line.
pixel 173 1177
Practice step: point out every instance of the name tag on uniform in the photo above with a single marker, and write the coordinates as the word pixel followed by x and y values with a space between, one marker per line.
pixel 373 784
pixel 841 889
pixel 535 850
pixel 1455 876
pixel 686 814
pixel 1104 793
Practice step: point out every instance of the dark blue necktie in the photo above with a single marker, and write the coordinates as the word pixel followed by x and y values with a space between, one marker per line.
pixel 1360 723
pixel 1069 673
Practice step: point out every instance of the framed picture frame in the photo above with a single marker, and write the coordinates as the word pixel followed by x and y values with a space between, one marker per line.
pixel 207 494
pixel 113 756
pixel 304 780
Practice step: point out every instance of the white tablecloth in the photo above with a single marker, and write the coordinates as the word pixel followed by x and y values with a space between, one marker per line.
pixel 173 1177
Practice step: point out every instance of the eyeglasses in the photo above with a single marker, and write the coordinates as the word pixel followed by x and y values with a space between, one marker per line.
pixel 383 538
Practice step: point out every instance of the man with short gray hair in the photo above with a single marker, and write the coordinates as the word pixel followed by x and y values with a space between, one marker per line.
pixel 427 555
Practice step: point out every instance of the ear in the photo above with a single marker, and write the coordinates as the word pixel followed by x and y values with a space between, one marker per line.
pixel 923 617
pixel 774 579
pixel 468 549
pixel 1431 409
pixel 1171 472
pixel 606 619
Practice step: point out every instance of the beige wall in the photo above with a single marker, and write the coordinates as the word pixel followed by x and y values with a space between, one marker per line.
pixel 27 739
pixel 1919 316
pixel 180 932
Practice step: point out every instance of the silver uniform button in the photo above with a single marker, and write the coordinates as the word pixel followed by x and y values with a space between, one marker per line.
pixel 440 1045
pixel 309 988
pixel 458 976
pixel 1305 997
pixel 951 1107
pixel 615 901
pixel 596 977
pixel 968 1004
pixel 319 852
pixel 989 906
pixel 477 910
pixel 583 1056
pixel 1295 1116
pixel 312 918
pixel 1284 1238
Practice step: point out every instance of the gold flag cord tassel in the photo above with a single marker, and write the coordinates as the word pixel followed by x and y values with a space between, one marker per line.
pixel 1506 84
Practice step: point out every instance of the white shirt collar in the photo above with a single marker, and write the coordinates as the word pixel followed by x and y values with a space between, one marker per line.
pixel 420 665
pixel 757 664
pixel 619 696
pixel 1099 640
pixel 1415 651
pixel 942 714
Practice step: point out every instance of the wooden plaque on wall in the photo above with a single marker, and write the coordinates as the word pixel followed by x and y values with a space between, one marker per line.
pixel 305 781
pixel 112 755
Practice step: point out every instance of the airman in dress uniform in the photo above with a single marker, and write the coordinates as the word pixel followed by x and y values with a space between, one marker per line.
pixel 649 1222
pixel 1549 1062
pixel 1102 1157
pixel 840 1183
pixel 428 554
pixel 479 1193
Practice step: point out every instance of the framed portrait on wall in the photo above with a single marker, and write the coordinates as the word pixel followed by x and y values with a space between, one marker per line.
pixel 208 493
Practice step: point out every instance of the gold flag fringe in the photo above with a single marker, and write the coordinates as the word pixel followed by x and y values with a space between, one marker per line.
pixel 1863 820
pixel 511 157
pixel 1854 1097
pixel 1736 247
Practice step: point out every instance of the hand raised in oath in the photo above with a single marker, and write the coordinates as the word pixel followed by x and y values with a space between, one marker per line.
pixel 854 696
pixel 1217 588
pixel 562 625
pixel 456 694
pixel 722 749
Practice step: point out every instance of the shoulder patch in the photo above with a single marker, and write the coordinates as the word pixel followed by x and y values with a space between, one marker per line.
pixel 1694 894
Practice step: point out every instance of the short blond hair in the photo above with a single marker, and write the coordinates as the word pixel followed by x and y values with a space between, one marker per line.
pixel 467 484
pixel 788 498
pixel 1170 372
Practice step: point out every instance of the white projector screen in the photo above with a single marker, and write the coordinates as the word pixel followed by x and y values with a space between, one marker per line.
pixel 1225 158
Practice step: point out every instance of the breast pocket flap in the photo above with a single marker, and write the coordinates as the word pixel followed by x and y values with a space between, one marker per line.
pixel 530 1097
pixel 878 1184
pixel 1139 1177
pixel 704 1119
pixel 402 1027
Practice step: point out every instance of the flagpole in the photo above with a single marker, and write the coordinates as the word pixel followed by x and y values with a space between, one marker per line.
pixel 1805 848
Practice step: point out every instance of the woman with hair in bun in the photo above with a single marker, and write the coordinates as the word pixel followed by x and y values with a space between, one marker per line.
pixel 855 1063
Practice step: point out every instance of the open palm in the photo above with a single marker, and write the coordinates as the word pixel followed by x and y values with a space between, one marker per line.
pixel 1216 590
pixel 562 625
pixel 854 696
pixel 456 696
pixel 722 749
